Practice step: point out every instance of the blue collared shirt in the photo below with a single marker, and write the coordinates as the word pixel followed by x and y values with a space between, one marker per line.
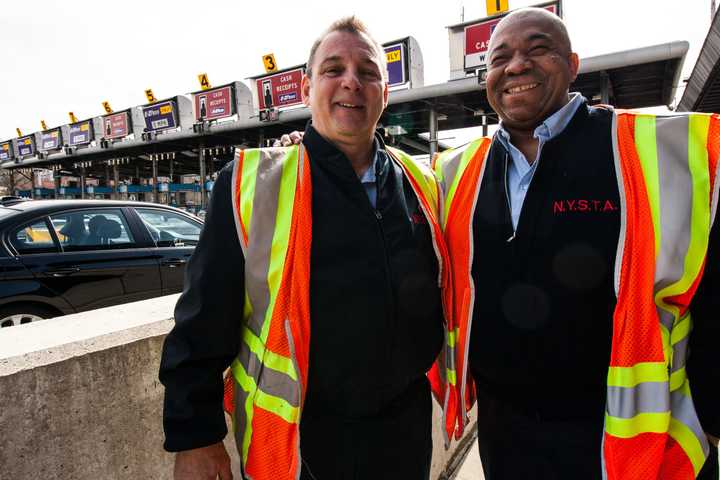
pixel 520 172
pixel 369 179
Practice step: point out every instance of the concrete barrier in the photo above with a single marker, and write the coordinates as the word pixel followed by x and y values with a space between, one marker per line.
pixel 80 398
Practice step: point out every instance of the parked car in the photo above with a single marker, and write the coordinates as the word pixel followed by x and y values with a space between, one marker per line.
pixel 65 256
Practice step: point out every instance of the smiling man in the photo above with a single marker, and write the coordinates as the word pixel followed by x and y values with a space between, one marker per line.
pixel 578 239
pixel 316 279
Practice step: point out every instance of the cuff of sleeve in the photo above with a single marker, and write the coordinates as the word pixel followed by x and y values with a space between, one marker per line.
pixel 187 435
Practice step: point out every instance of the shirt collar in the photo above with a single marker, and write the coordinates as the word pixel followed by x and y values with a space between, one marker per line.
pixel 553 125
pixel 370 174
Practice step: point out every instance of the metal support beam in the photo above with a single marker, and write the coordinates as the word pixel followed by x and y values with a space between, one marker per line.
pixel 604 88
pixel 155 191
pixel 56 182
pixel 484 126
pixel 116 182
pixel 433 129
pixel 171 195
pixel 201 160
pixel 32 183
pixel 82 182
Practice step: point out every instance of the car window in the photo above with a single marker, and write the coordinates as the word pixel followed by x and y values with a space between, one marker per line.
pixel 170 229
pixel 92 230
pixel 33 238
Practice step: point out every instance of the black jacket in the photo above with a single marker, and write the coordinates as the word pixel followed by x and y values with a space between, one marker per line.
pixel 542 324
pixel 376 318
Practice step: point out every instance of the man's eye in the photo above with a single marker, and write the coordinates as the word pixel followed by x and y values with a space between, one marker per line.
pixel 496 61
pixel 332 71
pixel 539 50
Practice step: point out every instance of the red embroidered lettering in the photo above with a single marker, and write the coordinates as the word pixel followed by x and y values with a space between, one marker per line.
pixel 571 205
pixel 558 207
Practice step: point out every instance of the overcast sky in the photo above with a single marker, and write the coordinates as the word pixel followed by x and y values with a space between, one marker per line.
pixel 61 56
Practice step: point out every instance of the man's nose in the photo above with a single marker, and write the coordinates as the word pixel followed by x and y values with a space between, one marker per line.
pixel 351 80
pixel 519 63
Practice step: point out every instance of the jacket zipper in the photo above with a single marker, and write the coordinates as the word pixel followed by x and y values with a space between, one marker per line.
pixel 507 199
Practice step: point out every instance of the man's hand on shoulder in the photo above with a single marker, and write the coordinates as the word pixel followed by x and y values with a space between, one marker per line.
pixel 294 138
pixel 206 463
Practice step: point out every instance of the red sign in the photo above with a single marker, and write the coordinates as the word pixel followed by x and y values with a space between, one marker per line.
pixel 213 104
pixel 116 125
pixel 280 90
pixel 477 39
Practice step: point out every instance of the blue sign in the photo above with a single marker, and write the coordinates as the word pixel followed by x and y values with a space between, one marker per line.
pixel 80 133
pixel 61 190
pixel 26 146
pixel 90 189
pixel 396 64
pixel 122 188
pixel 5 151
pixel 163 187
pixel 50 140
pixel 160 116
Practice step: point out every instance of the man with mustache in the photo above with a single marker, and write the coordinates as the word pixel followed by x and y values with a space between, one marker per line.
pixel 578 238
pixel 317 280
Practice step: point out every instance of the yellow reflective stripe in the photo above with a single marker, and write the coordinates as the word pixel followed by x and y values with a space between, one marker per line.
pixel 689 442
pixel 452 337
pixel 269 358
pixel 638 373
pixel 677 379
pixel 278 406
pixel 646 145
pixel 667 347
pixel 424 179
pixel 247 383
pixel 438 165
pixel 681 329
pixel 251 160
pixel 640 423
pixel 452 376
pixel 281 235
pixel 467 154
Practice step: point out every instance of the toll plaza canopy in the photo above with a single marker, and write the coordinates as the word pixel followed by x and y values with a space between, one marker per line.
pixel 702 92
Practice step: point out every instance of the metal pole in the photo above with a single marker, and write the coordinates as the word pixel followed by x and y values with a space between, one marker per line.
pixel 82 182
pixel 116 182
pixel 171 195
pixel 201 159
pixel 261 139
pixel 57 181
pixel 604 88
pixel 12 182
pixel 155 191
pixel 484 126
pixel 433 140
pixel 32 183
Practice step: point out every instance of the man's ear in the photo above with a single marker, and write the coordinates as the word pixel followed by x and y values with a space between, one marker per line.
pixel 386 94
pixel 574 62
pixel 305 90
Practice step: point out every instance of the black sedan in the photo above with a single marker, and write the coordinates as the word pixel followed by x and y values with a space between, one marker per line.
pixel 65 256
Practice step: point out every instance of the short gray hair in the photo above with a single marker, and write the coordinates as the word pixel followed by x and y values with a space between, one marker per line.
pixel 355 26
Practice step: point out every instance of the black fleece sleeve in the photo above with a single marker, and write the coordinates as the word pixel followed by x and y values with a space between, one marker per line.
pixel 703 367
pixel 206 335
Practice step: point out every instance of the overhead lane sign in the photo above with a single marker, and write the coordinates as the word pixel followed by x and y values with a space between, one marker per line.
pixel 396 64
pixel 5 151
pixel 26 146
pixel 279 90
pixel 160 116
pixel 269 63
pixel 214 104
pixel 81 133
pixel 50 140
pixel 116 125
pixel 477 38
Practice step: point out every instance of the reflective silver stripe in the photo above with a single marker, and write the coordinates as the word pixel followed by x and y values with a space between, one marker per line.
pixel 269 380
pixel 676 194
pixel 683 410
pixel 680 354
pixel 265 207
pixel 623 203
pixel 450 167
pixel 647 397
pixel 667 319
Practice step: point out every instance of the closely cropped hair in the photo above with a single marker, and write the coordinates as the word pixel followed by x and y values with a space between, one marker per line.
pixel 356 27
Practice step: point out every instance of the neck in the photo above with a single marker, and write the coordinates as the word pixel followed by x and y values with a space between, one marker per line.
pixel 360 156
pixel 525 141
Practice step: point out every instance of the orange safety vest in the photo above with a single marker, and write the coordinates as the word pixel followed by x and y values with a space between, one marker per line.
pixel 667 168
pixel 272 204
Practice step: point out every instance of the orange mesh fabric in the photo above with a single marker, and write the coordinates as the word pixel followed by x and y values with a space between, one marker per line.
pixel 636 332
pixel 273 453
pixel 677 465
pixel 229 393
pixel 637 458
pixel 458 236
pixel 713 147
